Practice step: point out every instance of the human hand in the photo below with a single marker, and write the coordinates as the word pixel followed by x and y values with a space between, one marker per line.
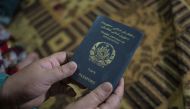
pixel 101 98
pixel 30 86
pixel 31 57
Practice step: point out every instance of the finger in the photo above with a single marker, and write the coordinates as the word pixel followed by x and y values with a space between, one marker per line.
pixel 34 103
pixel 54 60
pixel 63 71
pixel 96 97
pixel 120 89
pixel 29 59
pixel 113 102
pixel 70 54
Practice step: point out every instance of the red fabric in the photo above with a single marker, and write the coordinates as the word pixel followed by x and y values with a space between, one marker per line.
pixel 4 47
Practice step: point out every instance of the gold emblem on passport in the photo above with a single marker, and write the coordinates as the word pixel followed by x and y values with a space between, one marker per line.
pixel 102 54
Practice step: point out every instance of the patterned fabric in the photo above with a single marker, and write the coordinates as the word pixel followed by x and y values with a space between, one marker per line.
pixel 153 78
pixel 10 55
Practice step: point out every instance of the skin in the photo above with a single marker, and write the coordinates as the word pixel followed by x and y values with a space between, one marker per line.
pixel 38 79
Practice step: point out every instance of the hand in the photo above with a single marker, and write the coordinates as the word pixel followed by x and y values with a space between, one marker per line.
pixel 30 86
pixel 32 57
pixel 100 98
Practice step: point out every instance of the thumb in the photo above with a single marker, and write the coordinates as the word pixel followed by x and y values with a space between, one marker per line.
pixel 61 72
pixel 96 97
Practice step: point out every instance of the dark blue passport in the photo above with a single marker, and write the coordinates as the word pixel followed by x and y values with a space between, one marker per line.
pixel 105 53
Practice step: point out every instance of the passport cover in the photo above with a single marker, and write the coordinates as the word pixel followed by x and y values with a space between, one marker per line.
pixel 105 53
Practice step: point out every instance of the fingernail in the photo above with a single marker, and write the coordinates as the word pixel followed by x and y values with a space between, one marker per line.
pixel 106 87
pixel 72 65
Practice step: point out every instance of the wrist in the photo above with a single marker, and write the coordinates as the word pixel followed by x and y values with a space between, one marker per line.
pixel 3 98
pixel 9 98
pixel 6 101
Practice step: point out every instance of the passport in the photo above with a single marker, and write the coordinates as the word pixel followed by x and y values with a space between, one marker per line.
pixel 105 52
